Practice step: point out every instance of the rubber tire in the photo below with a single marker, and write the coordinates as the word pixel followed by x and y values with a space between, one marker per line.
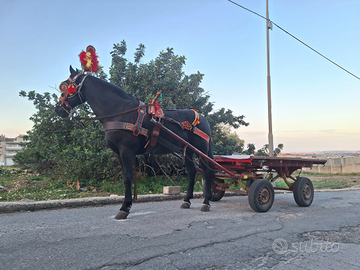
pixel 218 194
pixel 259 190
pixel 303 192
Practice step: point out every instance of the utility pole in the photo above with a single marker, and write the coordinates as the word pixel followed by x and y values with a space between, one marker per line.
pixel 268 27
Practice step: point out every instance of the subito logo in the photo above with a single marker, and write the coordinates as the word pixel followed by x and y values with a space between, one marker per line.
pixel 280 246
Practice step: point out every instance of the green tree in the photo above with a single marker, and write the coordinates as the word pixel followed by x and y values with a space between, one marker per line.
pixel 48 133
pixel 226 141
pixel 64 147
pixel 264 151
pixel 250 149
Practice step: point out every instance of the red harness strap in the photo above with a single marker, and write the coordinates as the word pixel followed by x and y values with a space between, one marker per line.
pixel 201 133
pixel 192 127
pixel 197 119
pixel 155 133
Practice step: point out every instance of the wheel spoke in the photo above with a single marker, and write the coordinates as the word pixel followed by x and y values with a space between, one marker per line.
pixel 307 192
pixel 264 196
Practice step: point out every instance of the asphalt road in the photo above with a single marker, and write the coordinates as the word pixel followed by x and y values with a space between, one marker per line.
pixel 160 235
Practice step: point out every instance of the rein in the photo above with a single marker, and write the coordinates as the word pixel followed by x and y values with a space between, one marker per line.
pixel 110 116
pixel 128 111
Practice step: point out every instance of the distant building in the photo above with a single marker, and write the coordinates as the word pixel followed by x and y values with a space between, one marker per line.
pixel 8 149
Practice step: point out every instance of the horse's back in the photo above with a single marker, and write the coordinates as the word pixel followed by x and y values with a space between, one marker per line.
pixel 193 118
pixel 189 116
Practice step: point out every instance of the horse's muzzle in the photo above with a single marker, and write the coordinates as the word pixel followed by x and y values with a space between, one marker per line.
pixel 61 112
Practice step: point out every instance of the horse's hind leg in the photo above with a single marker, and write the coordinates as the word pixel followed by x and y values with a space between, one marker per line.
pixel 208 174
pixel 191 171
pixel 127 162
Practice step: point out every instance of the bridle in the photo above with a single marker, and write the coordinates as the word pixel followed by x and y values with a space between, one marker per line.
pixel 69 90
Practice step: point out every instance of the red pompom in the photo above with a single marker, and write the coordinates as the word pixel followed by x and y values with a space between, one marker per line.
pixel 72 90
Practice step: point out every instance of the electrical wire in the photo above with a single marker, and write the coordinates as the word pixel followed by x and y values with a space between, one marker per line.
pixel 282 29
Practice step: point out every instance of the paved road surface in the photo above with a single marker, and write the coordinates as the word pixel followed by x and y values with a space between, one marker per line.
pixel 160 235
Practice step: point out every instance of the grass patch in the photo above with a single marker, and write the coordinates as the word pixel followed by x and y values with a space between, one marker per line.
pixel 16 185
pixel 328 181
pixel 280 184
pixel 315 174
pixel 334 184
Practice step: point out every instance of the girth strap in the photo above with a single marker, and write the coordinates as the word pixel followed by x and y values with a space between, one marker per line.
pixel 124 125
pixel 155 133
pixel 140 119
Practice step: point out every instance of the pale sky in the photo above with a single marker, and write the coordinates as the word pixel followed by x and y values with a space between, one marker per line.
pixel 315 105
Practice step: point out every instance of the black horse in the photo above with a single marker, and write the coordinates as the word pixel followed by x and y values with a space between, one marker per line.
pixel 128 132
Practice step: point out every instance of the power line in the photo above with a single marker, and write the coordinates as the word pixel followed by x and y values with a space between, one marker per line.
pixel 282 29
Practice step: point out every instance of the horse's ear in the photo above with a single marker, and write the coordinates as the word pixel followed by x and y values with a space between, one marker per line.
pixel 73 73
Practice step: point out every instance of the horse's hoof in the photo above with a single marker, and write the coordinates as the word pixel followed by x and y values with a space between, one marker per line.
pixel 121 215
pixel 205 208
pixel 185 205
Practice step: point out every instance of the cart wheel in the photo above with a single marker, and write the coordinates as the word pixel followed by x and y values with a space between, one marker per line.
pixel 217 194
pixel 303 191
pixel 261 195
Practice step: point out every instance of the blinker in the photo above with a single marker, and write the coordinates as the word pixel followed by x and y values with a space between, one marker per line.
pixel 67 88
pixel 64 87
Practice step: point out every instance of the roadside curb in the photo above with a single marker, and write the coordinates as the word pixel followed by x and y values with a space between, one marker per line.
pixel 7 207
pixel 332 190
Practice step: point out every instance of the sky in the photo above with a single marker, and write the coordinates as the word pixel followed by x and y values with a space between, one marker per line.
pixel 315 104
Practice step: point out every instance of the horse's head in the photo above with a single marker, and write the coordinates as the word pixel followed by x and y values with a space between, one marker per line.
pixel 71 95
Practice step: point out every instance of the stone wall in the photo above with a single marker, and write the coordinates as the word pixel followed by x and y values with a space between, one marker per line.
pixel 338 165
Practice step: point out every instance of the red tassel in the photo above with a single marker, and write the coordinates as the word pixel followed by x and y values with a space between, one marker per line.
pixel 95 62
pixel 83 60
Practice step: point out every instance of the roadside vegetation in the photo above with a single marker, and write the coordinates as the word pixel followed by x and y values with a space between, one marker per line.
pixel 334 181
pixel 329 181
pixel 23 184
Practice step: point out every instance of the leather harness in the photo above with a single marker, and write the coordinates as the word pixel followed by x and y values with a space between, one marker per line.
pixel 126 126
pixel 137 128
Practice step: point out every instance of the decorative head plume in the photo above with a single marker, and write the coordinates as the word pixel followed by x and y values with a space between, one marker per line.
pixel 89 60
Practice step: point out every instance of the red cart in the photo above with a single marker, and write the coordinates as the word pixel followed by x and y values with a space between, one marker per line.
pixel 254 176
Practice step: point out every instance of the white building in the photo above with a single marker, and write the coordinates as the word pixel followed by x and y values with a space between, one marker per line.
pixel 8 149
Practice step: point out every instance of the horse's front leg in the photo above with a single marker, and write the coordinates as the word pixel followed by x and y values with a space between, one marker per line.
pixel 127 158
pixel 191 171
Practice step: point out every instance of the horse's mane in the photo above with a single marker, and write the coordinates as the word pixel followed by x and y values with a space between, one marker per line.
pixel 114 88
